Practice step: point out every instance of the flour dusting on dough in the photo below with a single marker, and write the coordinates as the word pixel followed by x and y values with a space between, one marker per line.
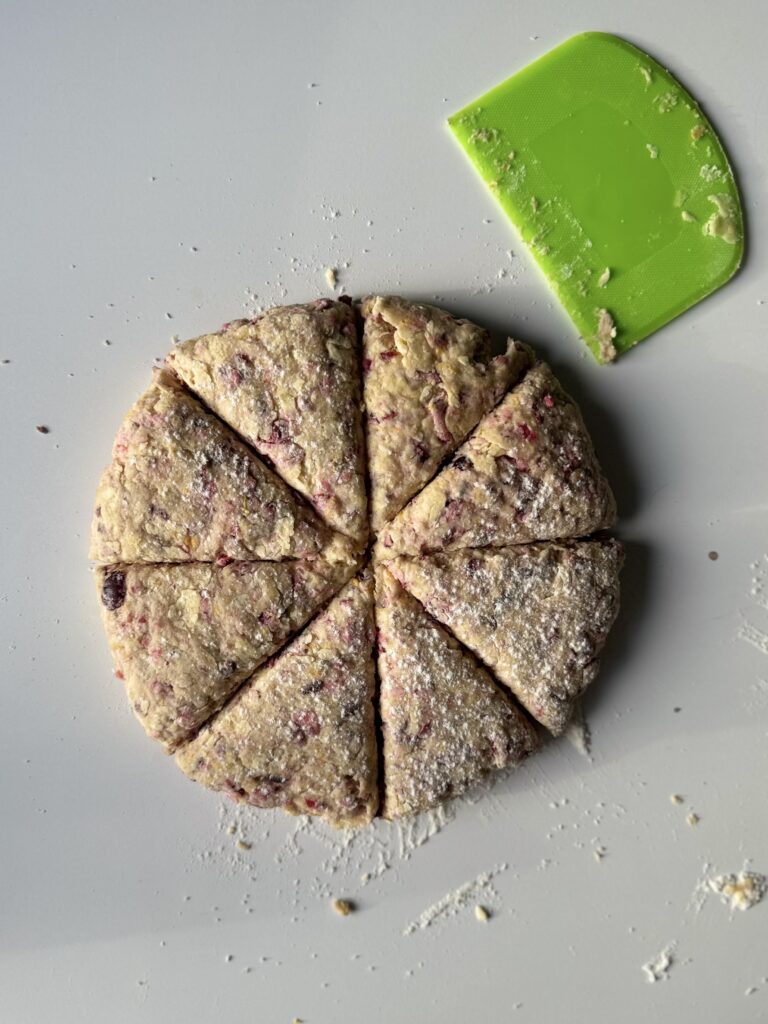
pixel 578 733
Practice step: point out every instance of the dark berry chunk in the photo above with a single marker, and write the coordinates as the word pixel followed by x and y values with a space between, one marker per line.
pixel 420 451
pixel 113 590
pixel 313 687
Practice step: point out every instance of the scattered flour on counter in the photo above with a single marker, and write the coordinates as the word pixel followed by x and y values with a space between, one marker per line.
pixel 747 632
pixel 413 833
pixel 472 892
pixel 659 967
pixel 330 857
pixel 701 890
pixel 752 635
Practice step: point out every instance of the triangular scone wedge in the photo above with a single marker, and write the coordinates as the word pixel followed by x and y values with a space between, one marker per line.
pixel 182 487
pixel 427 380
pixel 289 383
pixel 184 637
pixel 300 734
pixel 445 723
pixel 537 616
pixel 527 473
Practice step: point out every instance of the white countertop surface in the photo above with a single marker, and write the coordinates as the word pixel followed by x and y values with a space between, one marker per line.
pixel 166 166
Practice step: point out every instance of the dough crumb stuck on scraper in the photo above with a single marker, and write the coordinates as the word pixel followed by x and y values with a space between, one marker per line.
pixel 564 147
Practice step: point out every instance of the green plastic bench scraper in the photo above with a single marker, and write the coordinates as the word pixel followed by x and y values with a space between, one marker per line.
pixel 615 180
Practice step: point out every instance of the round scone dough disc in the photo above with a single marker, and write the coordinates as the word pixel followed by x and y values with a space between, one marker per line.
pixel 212 558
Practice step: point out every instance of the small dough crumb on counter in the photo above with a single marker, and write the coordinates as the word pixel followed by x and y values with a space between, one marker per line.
pixel 481 913
pixel 652 151
pixel 343 907
pixel 331 277
pixel 604 278
pixel 693 818
pixel 658 969
pixel 675 798
pixel 742 891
